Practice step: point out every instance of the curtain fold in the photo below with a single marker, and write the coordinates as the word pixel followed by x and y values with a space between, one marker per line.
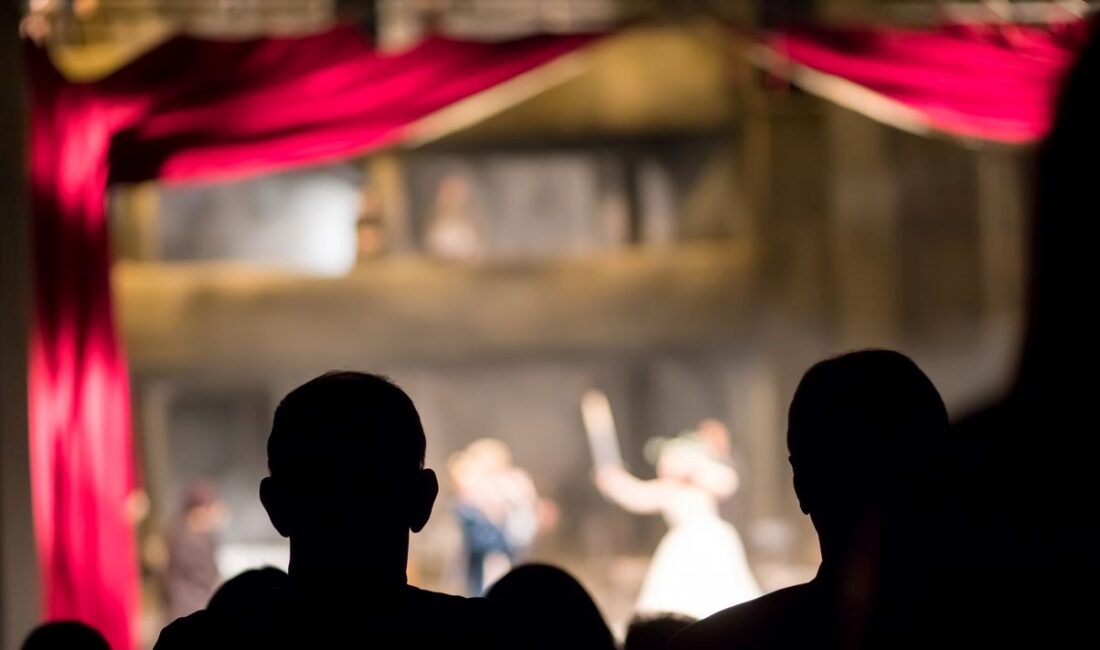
pixel 188 110
pixel 992 82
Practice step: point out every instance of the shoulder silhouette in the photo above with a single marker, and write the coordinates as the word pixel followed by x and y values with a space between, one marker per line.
pixel 655 631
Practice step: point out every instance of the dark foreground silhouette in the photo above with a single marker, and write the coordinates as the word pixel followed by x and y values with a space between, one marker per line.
pixel 66 635
pixel 654 632
pixel 347 485
pixel 866 433
pixel 1028 464
pixel 556 610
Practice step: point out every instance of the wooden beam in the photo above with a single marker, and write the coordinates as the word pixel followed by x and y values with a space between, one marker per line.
pixel 864 231
pixel 196 318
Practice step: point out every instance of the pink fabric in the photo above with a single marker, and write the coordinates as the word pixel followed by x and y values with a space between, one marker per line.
pixel 190 109
pixel 994 82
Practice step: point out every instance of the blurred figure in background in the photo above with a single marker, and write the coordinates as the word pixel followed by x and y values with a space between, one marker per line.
pixel 700 566
pixel 498 510
pixel 454 231
pixel 192 572
pixel 370 228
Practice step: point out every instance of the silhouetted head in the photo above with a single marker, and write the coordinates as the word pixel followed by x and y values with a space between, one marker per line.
pixel 249 591
pixel 557 607
pixel 347 483
pixel 654 632
pixel 248 607
pixel 864 430
pixel 70 635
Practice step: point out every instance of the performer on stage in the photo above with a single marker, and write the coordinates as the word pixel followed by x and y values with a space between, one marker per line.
pixel 192 543
pixel 498 509
pixel 455 228
pixel 700 566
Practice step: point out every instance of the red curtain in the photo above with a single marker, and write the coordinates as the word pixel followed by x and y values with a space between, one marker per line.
pixel 994 82
pixel 190 109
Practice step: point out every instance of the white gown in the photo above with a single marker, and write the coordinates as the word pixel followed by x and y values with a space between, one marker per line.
pixel 699 567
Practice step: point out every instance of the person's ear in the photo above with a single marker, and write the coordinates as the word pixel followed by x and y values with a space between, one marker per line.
pixel 425 491
pixel 800 490
pixel 279 509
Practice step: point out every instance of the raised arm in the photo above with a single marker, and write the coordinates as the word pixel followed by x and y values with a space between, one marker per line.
pixel 630 492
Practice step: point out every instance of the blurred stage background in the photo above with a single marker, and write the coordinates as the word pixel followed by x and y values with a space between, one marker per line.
pixel 661 220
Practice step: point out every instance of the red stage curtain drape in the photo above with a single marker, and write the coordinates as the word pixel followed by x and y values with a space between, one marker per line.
pixel 190 109
pixel 994 82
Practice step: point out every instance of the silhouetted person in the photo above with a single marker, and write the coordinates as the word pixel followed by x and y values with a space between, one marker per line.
pixel 654 632
pixel 242 592
pixel 65 635
pixel 866 432
pixel 1027 479
pixel 347 484
pixel 554 609
pixel 247 606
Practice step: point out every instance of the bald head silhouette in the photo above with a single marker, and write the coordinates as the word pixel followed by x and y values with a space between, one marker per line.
pixel 347 480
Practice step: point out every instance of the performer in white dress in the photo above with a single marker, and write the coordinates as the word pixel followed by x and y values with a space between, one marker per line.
pixel 700 566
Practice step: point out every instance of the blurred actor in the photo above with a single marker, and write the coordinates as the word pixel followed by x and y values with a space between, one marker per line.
pixel 454 230
pixel 192 572
pixel 700 566
pixel 498 509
